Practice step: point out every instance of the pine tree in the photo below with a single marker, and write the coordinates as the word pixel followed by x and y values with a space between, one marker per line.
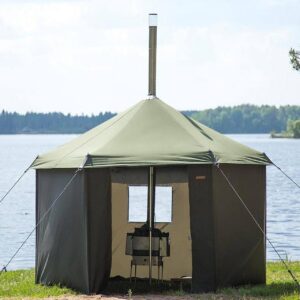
pixel 295 59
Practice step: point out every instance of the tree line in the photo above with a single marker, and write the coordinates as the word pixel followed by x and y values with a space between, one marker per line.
pixel 247 118
pixel 243 118
pixel 12 122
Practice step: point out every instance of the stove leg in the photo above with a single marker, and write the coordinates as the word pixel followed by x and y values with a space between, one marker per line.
pixel 130 271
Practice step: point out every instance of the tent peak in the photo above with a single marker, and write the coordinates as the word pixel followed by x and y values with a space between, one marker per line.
pixel 152 97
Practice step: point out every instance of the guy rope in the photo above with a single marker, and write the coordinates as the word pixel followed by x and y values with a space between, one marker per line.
pixel 12 187
pixel 4 269
pixel 287 176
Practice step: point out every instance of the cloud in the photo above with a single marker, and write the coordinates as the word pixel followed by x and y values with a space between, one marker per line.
pixel 226 66
pixel 90 56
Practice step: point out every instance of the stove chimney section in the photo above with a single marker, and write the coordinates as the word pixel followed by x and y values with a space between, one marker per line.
pixel 152 54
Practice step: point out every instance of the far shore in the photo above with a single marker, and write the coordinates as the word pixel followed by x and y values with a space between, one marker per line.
pixel 282 136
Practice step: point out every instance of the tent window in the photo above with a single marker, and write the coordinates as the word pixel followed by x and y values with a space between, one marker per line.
pixel 137 197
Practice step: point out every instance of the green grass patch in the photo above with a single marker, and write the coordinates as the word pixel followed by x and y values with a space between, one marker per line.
pixel 279 286
pixel 21 284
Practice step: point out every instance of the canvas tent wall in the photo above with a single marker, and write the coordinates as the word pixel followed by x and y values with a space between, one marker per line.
pixel 82 241
pixel 233 247
pixel 73 243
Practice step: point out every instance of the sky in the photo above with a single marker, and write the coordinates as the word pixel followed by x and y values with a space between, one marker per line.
pixel 86 57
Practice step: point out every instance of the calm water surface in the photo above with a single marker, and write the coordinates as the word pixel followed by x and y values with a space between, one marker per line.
pixel 17 212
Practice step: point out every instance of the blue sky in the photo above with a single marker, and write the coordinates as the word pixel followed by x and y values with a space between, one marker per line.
pixel 91 56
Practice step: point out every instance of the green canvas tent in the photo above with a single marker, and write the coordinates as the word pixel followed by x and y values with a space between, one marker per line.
pixel 84 200
pixel 81 242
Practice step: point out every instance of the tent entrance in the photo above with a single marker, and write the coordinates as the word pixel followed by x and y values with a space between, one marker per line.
pixel 148 245
pixel 171 215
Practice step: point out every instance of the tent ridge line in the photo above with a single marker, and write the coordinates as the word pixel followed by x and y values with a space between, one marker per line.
pixel 79 146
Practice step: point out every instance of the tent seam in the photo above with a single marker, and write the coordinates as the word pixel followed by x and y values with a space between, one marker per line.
pixel 93 137
pixel 214 225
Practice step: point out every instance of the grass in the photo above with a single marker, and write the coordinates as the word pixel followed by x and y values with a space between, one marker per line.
pixel 21 284
pixel 279 285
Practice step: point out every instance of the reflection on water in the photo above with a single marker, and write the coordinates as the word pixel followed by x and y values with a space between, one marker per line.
pixel 17 212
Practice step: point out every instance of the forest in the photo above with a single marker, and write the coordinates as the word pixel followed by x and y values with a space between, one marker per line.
pixel 12 122
pixel 245 118
pixel 248 118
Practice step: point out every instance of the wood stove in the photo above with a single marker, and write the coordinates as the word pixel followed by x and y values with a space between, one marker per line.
pixel 138 246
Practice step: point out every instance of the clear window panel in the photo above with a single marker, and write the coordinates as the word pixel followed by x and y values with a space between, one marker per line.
pixel 138 204
pixel 163 204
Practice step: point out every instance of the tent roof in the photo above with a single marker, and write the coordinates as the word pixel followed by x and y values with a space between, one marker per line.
pixel 149 133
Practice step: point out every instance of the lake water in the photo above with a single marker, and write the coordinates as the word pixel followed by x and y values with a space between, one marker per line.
pixel 17 212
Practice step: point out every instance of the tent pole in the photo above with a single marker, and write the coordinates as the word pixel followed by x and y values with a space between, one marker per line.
pixel 151 206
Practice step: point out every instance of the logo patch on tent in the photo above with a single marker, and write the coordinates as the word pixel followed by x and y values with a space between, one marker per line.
pixel 202 177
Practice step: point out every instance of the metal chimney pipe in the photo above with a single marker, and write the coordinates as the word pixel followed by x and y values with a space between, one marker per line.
pixel 152 54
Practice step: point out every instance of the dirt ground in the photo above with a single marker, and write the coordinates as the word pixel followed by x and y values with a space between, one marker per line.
pixel 104 297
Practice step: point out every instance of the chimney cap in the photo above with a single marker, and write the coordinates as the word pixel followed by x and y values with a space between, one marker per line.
pixel 152 19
